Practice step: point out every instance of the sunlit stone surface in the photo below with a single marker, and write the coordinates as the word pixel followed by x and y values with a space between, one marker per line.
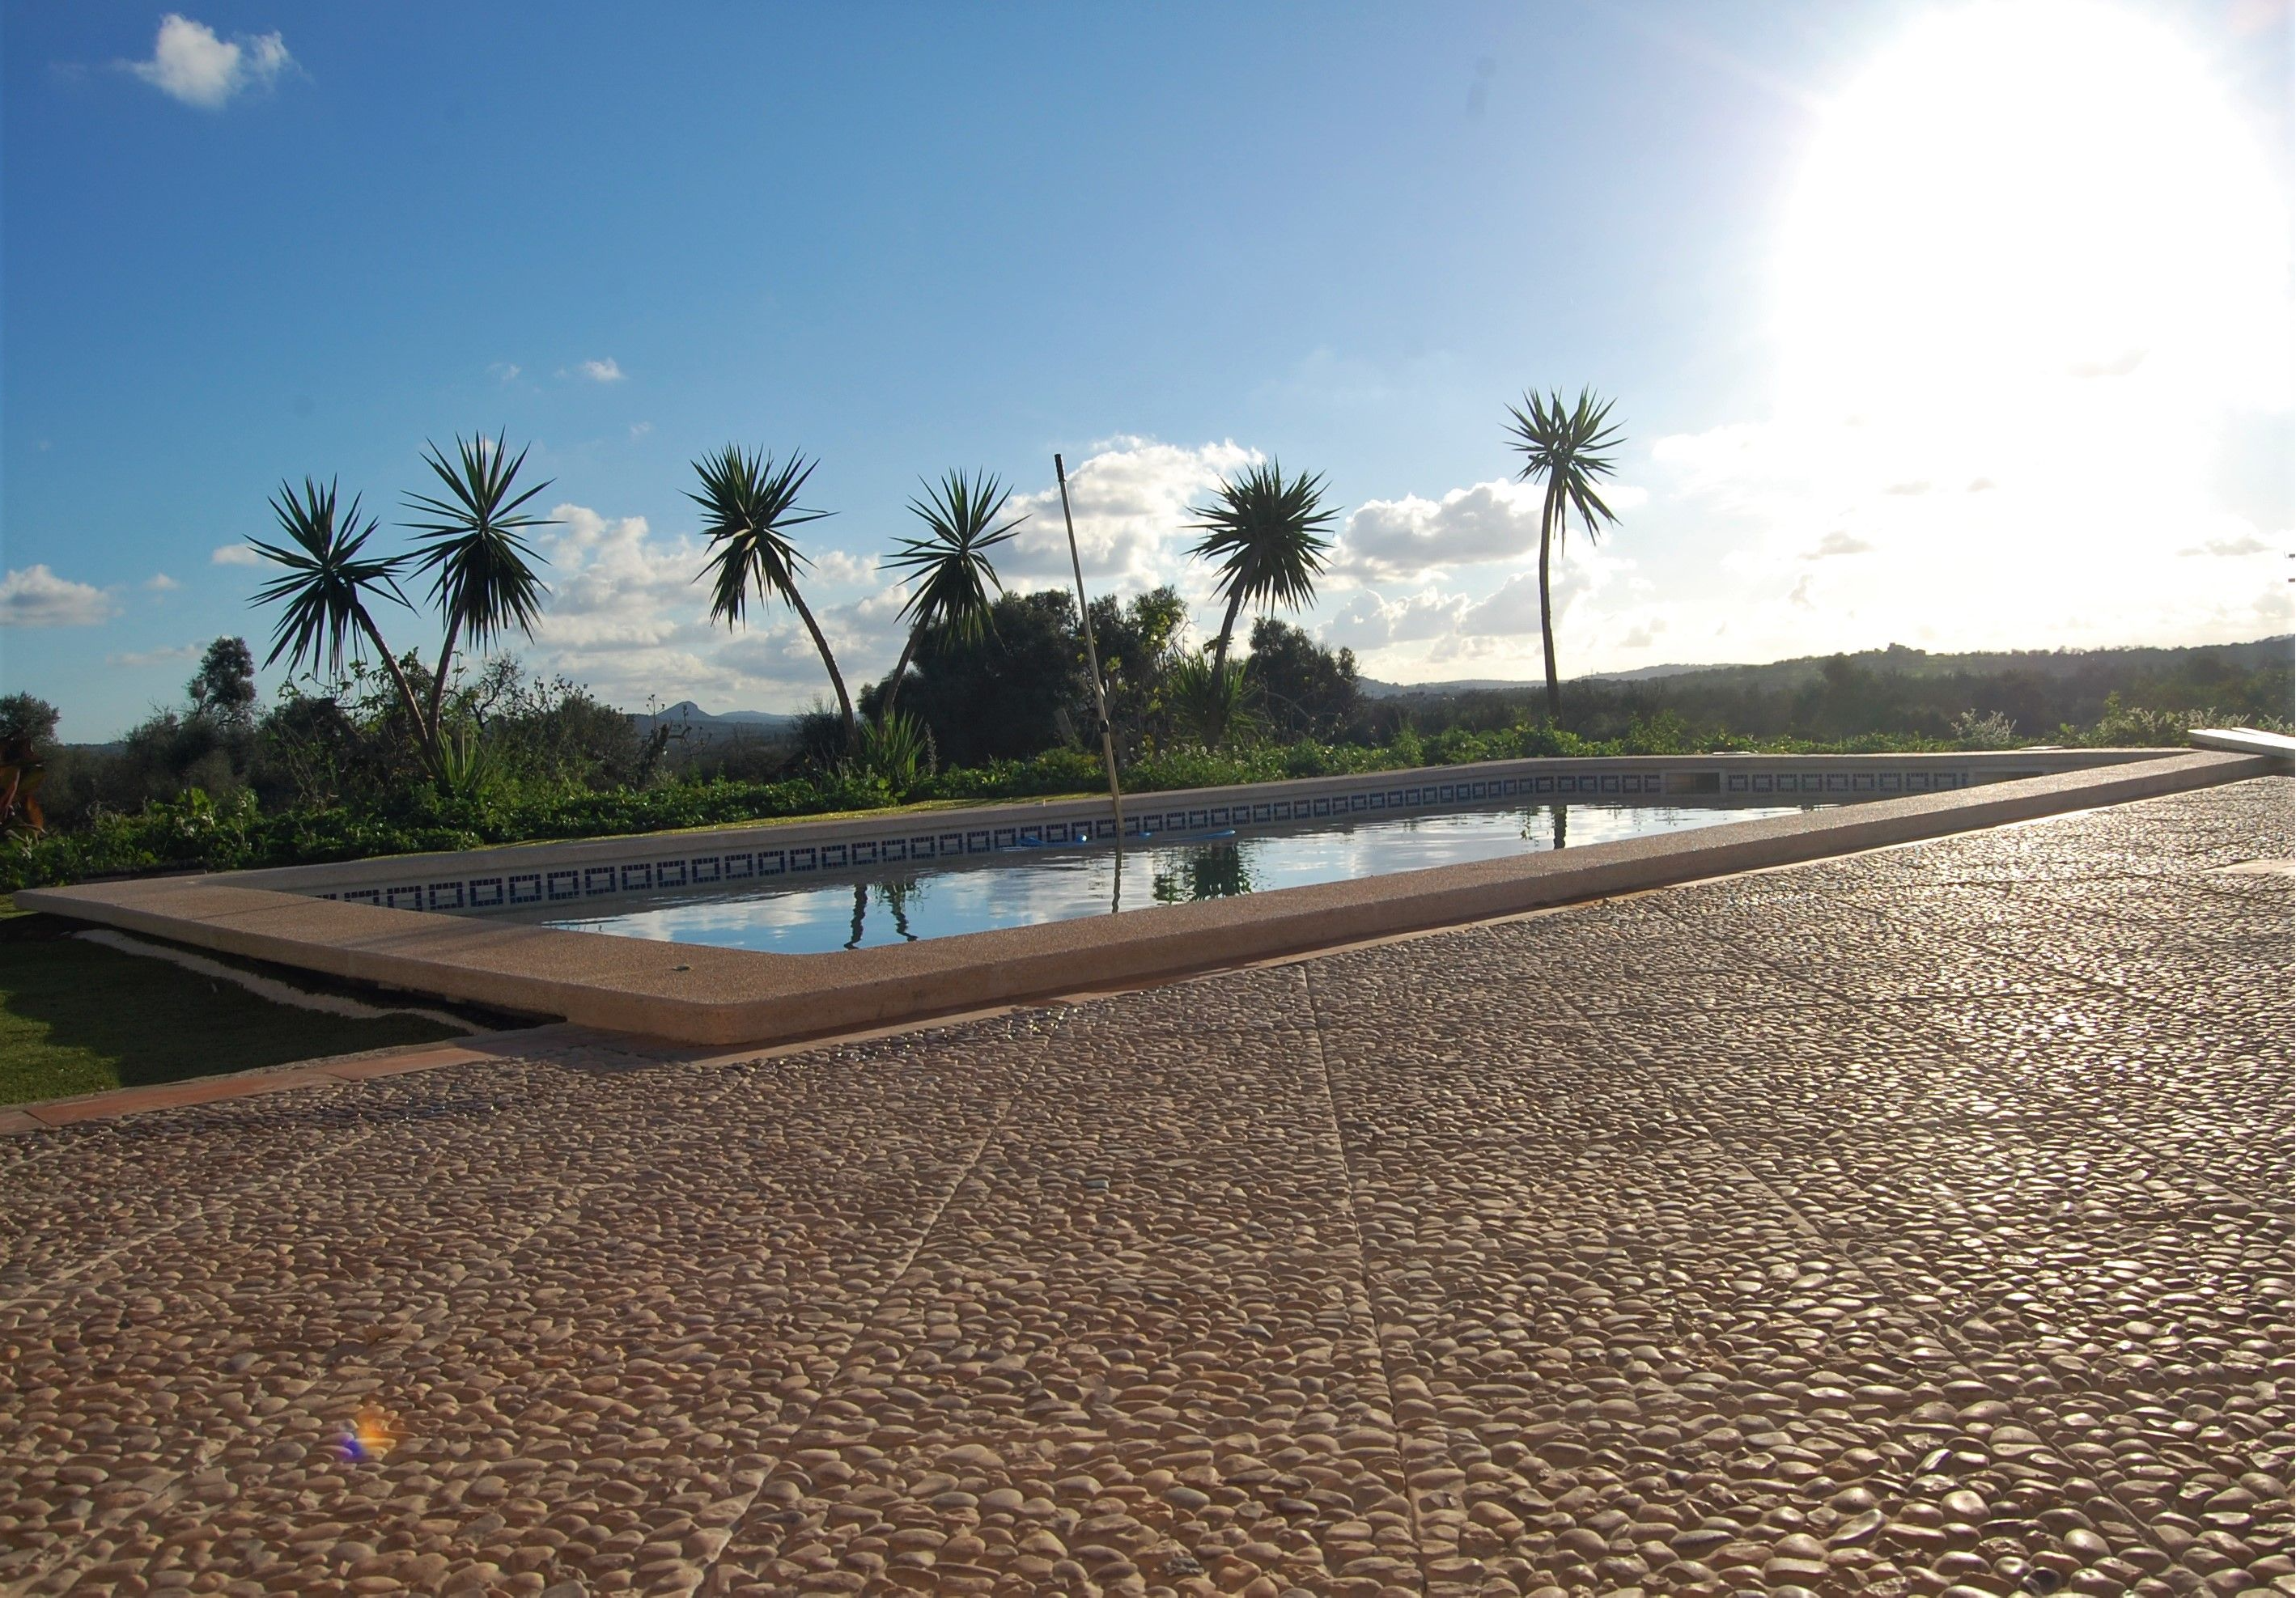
pixel 1914 1223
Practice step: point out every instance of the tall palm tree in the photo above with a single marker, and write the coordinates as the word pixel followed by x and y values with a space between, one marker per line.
pixel 481 578
pixel 1265 535
pixel 325 588
pixel 1565 445
pixel 951 564
pixel 749 505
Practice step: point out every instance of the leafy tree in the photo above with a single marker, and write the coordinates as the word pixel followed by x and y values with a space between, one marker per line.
pixel 223 690
pixel 1264 534
pixel 23 715
pixel 1563 444
pixel 1304 689
pixel 1014 690
pixel 950 565
pixel 27 733
pixel 1141 641
pixel 749 505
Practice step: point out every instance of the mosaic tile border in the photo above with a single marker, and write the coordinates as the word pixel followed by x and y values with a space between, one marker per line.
pixel 918 837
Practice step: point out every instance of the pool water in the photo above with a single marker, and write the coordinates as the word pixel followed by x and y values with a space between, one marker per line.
pixel 905 904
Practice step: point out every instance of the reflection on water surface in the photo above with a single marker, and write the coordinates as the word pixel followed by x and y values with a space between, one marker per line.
pixel 904 904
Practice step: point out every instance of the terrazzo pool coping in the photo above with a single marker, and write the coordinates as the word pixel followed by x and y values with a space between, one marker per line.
pixel 698 994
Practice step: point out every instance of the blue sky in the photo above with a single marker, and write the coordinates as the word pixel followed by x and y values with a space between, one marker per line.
pixel 1838 265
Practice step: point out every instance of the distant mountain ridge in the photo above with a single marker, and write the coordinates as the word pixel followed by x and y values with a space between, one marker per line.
pixel 700 725
pixel 1374 689
pixel 1896 658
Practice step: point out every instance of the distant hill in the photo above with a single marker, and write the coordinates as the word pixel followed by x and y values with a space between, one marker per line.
pixel 1644 673
pixel 1897 659
pixel 700 726
pixel 1374 689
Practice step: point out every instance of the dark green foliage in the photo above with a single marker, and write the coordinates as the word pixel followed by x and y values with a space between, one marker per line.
pixel 1015 689
pixel 1303 690
pixel 21 716
pixel 223 689
pixel 1140 642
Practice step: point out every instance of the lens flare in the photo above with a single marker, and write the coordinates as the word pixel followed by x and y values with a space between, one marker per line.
pixel 374 1432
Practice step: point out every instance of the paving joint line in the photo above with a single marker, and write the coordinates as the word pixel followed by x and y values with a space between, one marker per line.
pixel 569 1197
pixel 838 1379
pixel 2009 1087
pixel 1948 1335
pixel 1370 1309
pixel 216 1206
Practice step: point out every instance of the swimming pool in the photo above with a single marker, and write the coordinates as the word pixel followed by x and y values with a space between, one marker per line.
pixel 907 904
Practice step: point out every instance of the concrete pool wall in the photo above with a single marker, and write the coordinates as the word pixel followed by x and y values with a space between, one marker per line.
pixel 703 995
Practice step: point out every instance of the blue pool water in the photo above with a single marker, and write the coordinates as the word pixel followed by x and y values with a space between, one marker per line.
pixel 904 904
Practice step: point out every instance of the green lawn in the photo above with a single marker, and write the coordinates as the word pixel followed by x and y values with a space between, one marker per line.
pixel 77 1018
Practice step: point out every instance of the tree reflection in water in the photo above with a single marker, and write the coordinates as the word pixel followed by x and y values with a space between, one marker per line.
pixel 1215 872
pixel 1559 819
pixel 894 896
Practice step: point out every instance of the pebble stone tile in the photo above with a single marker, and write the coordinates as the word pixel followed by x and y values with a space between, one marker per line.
pixel 1914 1223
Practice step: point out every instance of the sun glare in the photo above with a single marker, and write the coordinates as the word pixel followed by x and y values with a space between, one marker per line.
pixel 2024 197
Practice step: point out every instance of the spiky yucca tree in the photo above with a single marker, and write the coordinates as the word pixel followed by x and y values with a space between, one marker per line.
pixel 1565 443
pixel 1264 533
pixel 326 586
pixel 749 504
pixel 482 577
pixel 950 565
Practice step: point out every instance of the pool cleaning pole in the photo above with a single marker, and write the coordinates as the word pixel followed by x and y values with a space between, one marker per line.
pixel 1091 654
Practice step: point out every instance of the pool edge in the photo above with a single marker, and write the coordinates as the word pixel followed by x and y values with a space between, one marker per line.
pixel 696 993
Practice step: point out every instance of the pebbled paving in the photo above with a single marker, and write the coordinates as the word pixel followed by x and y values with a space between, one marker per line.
pixel 1916 1222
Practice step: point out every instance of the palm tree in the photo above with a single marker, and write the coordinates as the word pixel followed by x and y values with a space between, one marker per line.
pixel 326 587
pixel 1564 444
pixel 951 564
pixel 1265 534
pixel 481 580
pixel 750 505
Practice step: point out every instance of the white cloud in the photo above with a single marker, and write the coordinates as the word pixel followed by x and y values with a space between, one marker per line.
pixel 37 597
pixel 1496 521
pixel 235 554
pixel 1838 543
pixel 2244 544
pixel 160 582
pixel 606 371
pixel 836 566
pixel 1367 622
pixel 639 429
pixel 191 64
pixel 1402 538
pixel 625 616
pixel 164 655
pixel 1131 499
pixel 504 371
